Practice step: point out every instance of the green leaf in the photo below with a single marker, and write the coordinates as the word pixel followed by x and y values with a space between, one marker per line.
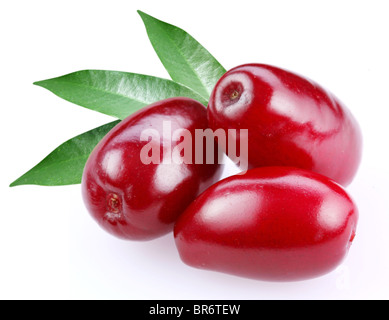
pixel 185 59
pixel 65 165
pixel 115 93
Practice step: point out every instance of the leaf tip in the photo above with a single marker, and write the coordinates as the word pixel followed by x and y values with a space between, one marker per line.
pixel 145 16
pixel 14 184
pixel 38 83
pixel 142 15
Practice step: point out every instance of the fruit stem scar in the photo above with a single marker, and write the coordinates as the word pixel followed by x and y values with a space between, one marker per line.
pixel 113 203
pixel 234 95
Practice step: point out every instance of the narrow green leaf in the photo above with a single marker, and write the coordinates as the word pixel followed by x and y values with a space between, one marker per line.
pixel 115 93
pixel 185 59
pixel 64 166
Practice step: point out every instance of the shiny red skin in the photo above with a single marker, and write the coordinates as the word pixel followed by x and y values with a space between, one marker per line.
pixel 291 121
pixel 138 201
pixel 273 224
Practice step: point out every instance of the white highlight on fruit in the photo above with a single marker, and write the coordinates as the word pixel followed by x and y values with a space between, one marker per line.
pixel 331 214
pixel 112 163
pixel 239 208
pixel 169 176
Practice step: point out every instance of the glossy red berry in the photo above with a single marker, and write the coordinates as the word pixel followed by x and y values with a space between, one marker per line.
pixel 291 121
pixel 135 200
pixel 273 223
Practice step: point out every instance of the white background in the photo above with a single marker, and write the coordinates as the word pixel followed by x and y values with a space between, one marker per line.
pixel 49 246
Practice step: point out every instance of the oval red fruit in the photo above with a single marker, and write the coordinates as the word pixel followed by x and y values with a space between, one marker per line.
pixel 291 121
pixel 274 223
pixel 135 200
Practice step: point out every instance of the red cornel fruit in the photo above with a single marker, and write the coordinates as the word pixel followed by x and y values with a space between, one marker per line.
pixel 291 121
pixel 273 223
pixel 135 200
